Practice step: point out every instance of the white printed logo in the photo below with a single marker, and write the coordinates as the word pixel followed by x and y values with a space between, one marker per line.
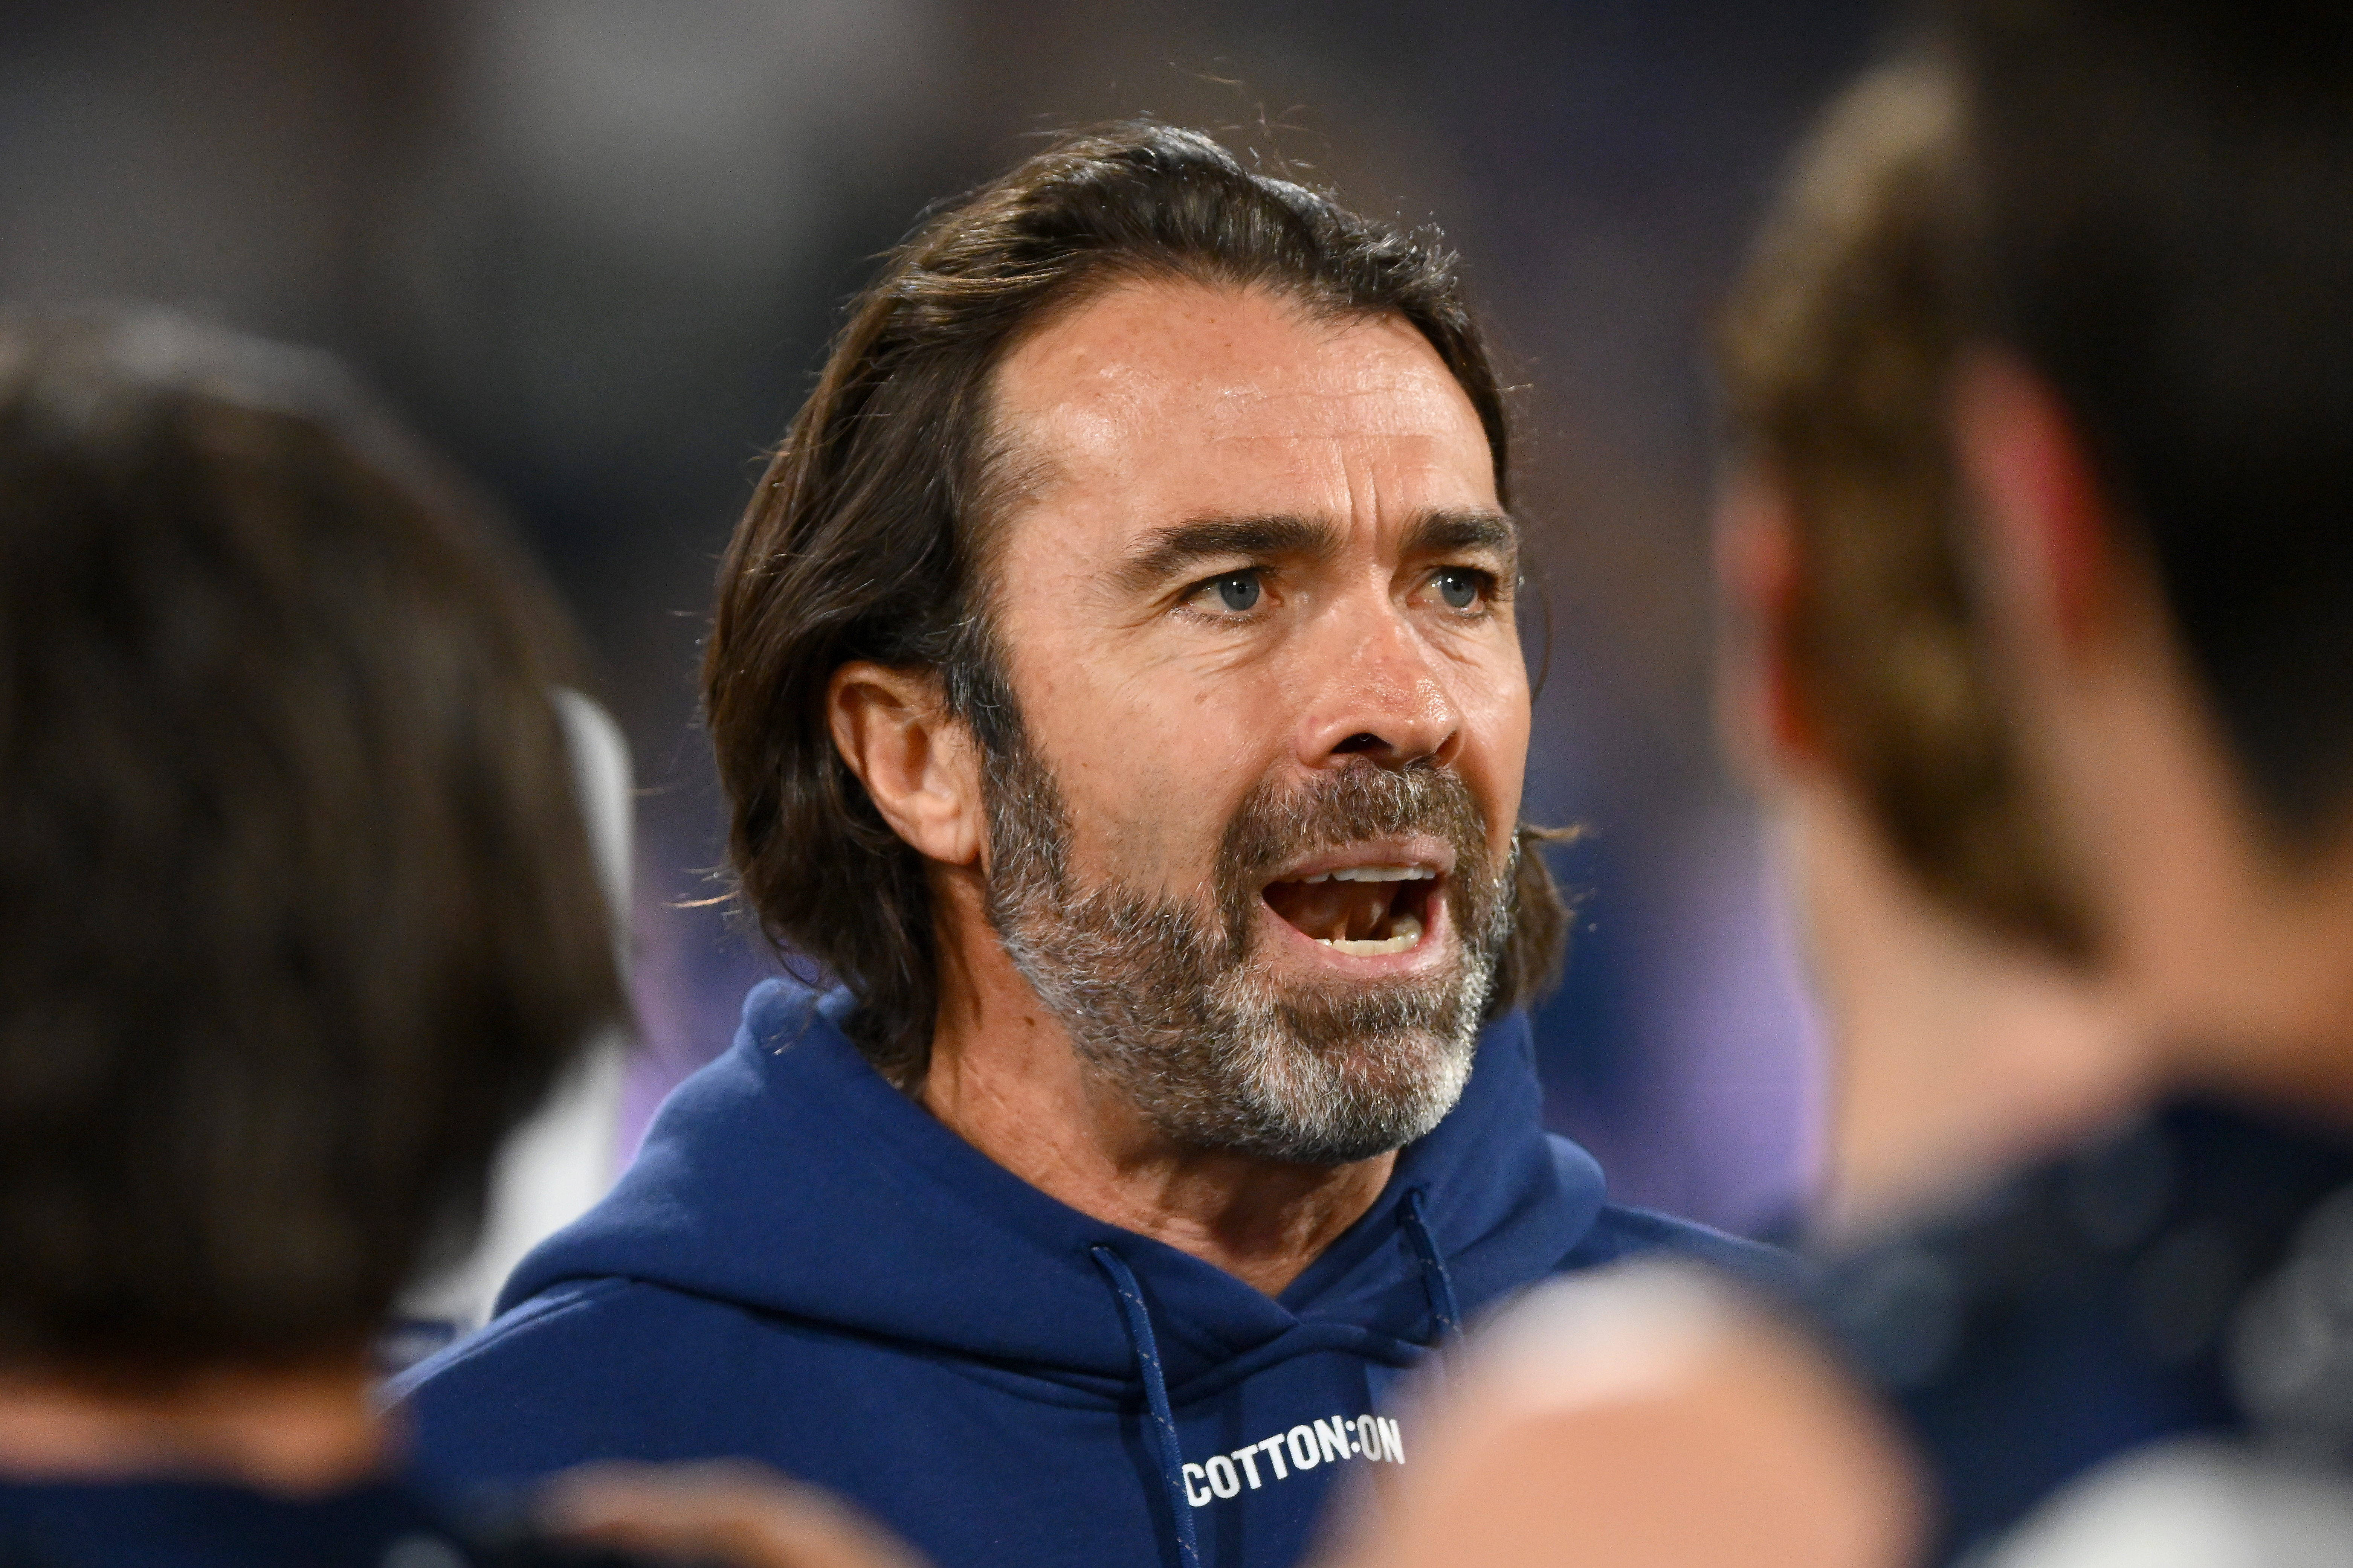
pixel 1303 1447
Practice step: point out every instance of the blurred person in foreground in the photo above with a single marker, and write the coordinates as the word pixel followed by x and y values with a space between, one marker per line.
pixel 2133 1347
pixel 301 920
pixel 1117 687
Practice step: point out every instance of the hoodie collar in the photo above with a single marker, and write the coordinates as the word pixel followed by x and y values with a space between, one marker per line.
pixel 789 1177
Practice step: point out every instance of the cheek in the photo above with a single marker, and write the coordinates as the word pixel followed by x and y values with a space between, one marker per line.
pixel 1495 730
pixel 1153 768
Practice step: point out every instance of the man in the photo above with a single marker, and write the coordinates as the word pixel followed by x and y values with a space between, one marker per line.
pixel 1117 685
pixel 2134 1348
pixel 301 919
pixel 2153 420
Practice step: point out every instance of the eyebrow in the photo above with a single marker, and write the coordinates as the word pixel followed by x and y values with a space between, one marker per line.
pixel 1448 532
pixel 1166 553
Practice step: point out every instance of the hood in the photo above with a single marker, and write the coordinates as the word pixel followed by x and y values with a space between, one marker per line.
pixel 789 1177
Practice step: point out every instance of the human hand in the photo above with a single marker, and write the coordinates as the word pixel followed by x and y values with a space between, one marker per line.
pixel 1640 1416
pixel 725 1513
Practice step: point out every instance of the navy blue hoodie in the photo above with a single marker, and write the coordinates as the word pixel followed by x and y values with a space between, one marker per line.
pixel 806 1268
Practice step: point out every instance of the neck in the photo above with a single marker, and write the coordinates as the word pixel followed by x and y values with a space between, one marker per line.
pixel 297 1432
pixel 1005 1077
pixel 2286 1039
pixel 2236 949
pixel 1957 1054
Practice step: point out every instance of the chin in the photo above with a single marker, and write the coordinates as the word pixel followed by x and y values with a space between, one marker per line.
pixel 1324 1085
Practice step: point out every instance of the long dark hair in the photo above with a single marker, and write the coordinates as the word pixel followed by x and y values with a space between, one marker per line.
pixel 868 536
pixel 2164 230
pixel 301 910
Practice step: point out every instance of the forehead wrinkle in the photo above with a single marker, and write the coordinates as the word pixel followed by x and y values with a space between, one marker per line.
pixel 1402 393
pixel 1106 393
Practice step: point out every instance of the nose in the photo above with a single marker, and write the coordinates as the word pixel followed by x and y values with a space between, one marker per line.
pixel 1379 697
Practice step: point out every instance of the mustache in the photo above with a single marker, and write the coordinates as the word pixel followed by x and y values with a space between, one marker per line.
pixel 1273 826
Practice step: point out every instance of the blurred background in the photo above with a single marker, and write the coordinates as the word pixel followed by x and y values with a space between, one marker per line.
pixel 594 248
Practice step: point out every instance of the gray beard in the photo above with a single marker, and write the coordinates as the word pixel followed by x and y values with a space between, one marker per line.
pixel 1174 1009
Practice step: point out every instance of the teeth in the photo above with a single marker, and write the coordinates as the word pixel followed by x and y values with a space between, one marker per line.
pixel 1379 874
pixel 1409 935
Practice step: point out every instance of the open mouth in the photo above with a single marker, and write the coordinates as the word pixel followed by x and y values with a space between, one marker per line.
pixel 1364 910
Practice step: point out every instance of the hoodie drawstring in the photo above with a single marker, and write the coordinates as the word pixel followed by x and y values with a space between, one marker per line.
pixel 1435 1281
pixel 1156 1393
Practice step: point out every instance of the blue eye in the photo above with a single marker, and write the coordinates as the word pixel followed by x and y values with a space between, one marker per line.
pixel 1238 590
pixel 1459 586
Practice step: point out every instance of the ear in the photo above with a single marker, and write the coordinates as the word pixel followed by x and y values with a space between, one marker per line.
pixel 918 762
pixel 2047 530
pixel 1764 717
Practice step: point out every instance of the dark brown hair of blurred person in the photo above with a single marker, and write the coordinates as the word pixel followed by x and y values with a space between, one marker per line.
pixel 869 537
pixel 2166 232
pixel 1835 352
pixel 300 912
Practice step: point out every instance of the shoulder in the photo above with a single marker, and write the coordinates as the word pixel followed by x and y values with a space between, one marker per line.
pixel 2154 1280
pixel 584 1371
pixel 623 1369
pixel 1620 1232
pixel 552 1323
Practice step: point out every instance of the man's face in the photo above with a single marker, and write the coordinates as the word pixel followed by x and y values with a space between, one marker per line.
pixel 1254 602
